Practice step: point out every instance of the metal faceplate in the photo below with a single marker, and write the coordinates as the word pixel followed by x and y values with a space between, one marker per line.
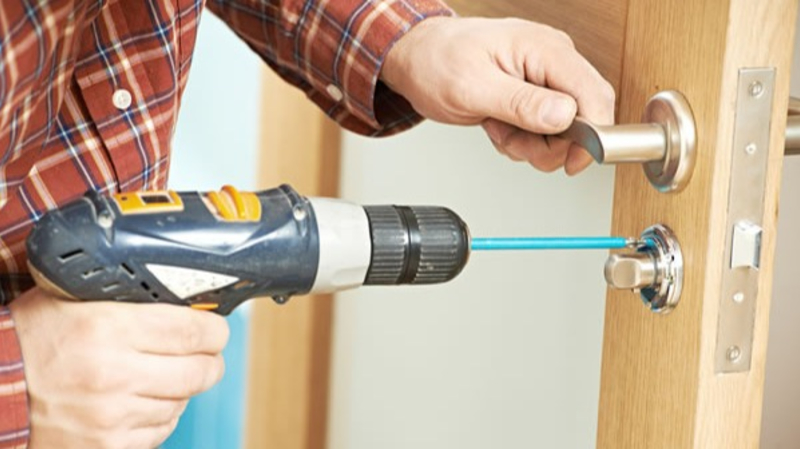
pixel 741 261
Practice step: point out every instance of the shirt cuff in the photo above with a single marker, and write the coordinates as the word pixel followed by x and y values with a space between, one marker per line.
pixel 14 410
pixel 348 88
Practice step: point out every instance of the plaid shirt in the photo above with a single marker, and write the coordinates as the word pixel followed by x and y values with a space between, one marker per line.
pixel 90 91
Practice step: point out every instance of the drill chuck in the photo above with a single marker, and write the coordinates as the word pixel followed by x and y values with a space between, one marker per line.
pixel 415 245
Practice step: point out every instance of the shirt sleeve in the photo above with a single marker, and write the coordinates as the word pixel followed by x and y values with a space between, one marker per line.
pixel 14 413
pixel 334 51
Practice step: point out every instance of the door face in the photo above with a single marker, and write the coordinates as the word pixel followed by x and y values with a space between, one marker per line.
pixel 661 383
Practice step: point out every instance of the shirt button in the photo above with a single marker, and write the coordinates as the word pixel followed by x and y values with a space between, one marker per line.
pixel 122 99
pixel 335 92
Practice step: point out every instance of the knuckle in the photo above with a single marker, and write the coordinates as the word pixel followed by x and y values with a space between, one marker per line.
pixel 214 369
pixel 189 383
pixel 163 432
pixel 179 408
pixel 100 377
pixel 220 368
pixel 607 92
pixel 563 38
pixel 222 330
pixel 89 330
pixel 460 94
pixel 191 337
pixel 523 105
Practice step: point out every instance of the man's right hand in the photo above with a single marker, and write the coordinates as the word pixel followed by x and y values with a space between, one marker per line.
pixel 113 375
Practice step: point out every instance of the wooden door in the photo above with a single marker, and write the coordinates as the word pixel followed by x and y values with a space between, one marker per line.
pixel 660 386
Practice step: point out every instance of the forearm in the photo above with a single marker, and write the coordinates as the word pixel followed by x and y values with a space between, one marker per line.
pixel 334 52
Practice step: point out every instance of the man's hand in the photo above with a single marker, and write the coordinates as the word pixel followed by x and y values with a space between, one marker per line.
pixel 111 375
pixel 520 80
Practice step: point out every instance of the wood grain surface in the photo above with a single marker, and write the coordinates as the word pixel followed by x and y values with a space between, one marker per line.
pixel 659 388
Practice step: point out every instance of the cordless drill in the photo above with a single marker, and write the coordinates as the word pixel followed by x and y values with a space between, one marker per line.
pixel 214 250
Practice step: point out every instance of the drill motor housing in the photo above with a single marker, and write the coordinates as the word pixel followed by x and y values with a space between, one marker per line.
pixel 214 250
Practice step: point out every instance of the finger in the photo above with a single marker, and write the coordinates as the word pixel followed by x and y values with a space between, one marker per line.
pixel 149 438
pixel 567 71
pixel 526 106
pixel 174 330
pixel 178 378
pixel 150 412
pixel 577 160
pixel 519 144
pixel 559 147
pixel 497 132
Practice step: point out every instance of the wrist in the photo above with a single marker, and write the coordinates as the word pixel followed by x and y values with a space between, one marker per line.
pixel 396 65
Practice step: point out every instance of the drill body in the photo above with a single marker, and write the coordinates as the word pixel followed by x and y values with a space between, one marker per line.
pixel 214 250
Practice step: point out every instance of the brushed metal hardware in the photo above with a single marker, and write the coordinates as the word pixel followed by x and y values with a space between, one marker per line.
pixel 653 271
pixel 664 143
pixel 741 261
pixel 746 245
pixel 631 271
pixel 793 128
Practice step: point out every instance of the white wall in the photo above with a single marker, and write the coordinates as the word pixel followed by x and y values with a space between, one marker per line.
pixel 782 390
pixel 507 355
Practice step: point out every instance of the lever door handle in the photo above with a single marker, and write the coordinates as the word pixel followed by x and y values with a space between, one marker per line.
pixel 645 142
pixel 793 127
pixel 664 143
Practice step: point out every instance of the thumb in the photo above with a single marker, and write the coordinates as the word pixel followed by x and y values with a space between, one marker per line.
pixel 527 106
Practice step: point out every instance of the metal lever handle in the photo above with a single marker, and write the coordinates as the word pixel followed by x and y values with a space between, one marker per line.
pixel 664 142
pixel 793 128
pixel 622 143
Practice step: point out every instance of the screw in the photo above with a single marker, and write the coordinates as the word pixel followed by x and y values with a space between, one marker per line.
pixel 734 354
pixel 105 220
pixel 751 148
pixel 738 298
pixel 299 213
pixel 756 89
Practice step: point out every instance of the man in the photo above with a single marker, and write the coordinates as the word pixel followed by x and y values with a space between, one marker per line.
pixel 89 94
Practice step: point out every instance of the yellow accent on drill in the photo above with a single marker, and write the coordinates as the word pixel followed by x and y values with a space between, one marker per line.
pixel 232 205
pixel 205 306
pixel 151 202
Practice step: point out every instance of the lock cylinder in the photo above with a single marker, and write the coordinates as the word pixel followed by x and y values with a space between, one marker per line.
pixel 654 271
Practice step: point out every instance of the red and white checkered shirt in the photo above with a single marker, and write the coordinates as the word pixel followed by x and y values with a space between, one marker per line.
pixel 90 92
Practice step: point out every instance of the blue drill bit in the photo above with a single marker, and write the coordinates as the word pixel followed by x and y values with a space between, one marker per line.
pixel 545 243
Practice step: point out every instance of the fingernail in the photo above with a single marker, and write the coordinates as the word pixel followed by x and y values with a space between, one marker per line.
pixel 557 112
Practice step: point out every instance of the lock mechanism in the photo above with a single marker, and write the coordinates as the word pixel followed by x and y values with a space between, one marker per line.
pixel 654 270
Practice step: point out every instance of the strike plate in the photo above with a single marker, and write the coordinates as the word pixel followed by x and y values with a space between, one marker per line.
pixel 740 271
